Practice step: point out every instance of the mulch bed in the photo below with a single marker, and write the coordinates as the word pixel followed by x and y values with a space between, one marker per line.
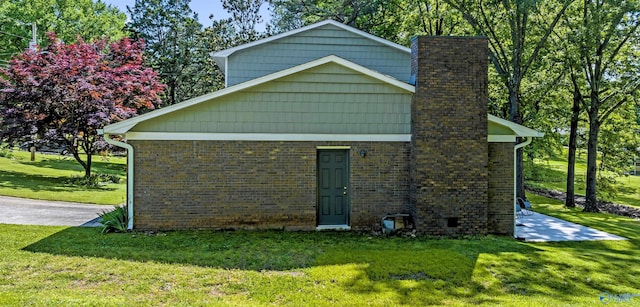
pixel 603 206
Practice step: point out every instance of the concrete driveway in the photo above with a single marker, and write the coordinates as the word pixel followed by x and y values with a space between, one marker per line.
pixel 52 213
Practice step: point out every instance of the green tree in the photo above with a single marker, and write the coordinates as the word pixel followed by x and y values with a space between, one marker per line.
pixel 518 33
pixel 394 20
pixel 174 47
pixel 576 110
pixel 619 141
pixel 367 15
pixel 245 15
pixel 69 19
pixel 429 17
pixel 64 93
pixel 238 29
pixel 606 73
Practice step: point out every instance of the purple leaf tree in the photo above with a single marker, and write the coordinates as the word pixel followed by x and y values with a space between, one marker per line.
pixel 63 93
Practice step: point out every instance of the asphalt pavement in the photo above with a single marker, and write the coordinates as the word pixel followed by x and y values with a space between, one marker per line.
pixel 51 213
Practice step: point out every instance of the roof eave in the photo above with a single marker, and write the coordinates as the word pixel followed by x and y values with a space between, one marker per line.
pixel 518 130
pixel 220 61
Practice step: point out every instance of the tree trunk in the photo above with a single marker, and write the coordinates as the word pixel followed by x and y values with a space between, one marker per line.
pixel 87 170
pixel 571 159
pixel 76 155
pixel 75 151
pixel 172 92
pixel 592 154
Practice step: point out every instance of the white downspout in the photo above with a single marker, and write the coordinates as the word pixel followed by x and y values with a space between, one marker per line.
pixel 129 149
pixel 515 177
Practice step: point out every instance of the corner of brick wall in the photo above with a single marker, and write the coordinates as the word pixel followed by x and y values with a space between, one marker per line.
pixel 449 175
pixel 500 211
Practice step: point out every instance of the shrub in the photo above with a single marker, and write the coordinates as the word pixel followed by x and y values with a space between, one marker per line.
pixel 94 180
pixel 606 186
pixel 6 153
pixel 109 178
pixel 115 220
pixel 91 181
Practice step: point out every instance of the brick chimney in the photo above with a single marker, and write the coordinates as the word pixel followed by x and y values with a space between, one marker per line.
pixel 449 150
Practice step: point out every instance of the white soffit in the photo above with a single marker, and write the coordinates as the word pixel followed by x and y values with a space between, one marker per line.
pixel 518 130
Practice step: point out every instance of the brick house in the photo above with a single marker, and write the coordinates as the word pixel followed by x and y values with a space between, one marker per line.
pixel 328 127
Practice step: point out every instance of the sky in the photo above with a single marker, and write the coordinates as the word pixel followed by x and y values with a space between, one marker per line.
pixel 204 8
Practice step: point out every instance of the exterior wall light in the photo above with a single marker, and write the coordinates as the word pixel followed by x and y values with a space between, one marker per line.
pixel 363 153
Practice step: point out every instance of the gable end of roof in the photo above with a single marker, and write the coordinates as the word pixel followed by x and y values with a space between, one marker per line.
pixel 126 125
pixel 220 56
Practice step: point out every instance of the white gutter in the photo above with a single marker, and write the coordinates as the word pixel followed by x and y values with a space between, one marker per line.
pixel 129 149
pixel 515 178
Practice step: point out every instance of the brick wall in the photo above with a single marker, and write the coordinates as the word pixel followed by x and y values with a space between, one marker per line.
pixel 261 185
pixel 500 193
pixel 449 175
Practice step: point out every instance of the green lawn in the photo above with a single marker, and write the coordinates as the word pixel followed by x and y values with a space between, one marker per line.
pixel 45 266
pixel 45 178
pixel 552 174
pixel 78 266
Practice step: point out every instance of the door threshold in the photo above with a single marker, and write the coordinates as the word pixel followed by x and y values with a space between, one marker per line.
pixel 333 227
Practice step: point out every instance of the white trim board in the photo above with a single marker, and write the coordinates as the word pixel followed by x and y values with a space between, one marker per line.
pixel 333 227
pixel 501 138
pixel 177 136
pixel 332 147
pixel 163 136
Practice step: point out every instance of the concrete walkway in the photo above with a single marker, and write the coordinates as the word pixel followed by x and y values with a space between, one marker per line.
pixel 543 228
pixel 52 213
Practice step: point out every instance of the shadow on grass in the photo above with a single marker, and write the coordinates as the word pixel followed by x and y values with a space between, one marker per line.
pixel 418 271
pixel 568 272
pixel 36 183
pixel 70 164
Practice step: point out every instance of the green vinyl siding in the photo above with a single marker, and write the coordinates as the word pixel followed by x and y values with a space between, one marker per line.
pixel 326 99
pixel 317 43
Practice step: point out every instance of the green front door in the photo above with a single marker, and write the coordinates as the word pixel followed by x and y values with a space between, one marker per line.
pixel 333 187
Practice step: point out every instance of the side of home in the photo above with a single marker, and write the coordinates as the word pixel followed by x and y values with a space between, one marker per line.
pixel 330 142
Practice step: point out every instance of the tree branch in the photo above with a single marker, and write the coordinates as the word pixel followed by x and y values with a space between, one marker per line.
pixel 621 44
pixel 606 114
pixel 543 40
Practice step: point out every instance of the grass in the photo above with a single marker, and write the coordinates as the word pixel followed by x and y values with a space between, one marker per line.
pixel 79 266
pixel 551 174
pixel 45 178
pixel 42 265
